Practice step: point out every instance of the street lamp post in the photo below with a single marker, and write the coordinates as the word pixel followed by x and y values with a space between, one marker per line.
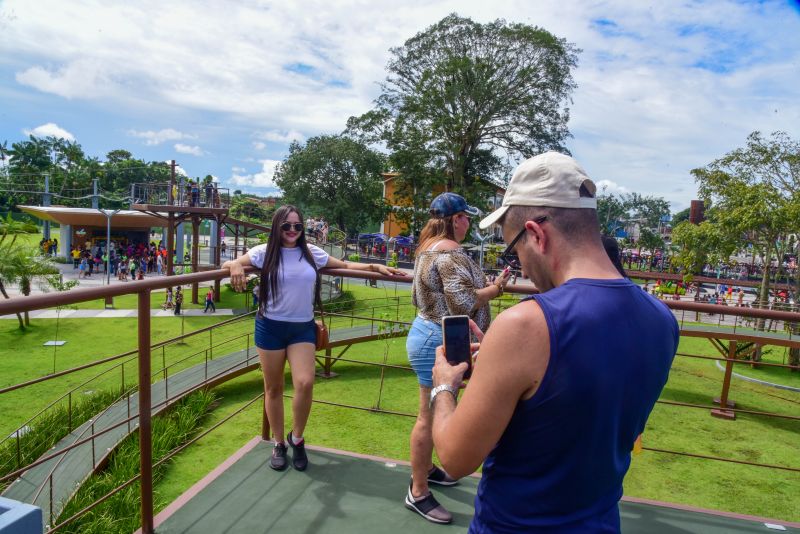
pixel 108 214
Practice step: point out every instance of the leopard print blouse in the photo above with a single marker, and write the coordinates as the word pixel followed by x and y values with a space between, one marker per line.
pixel 444 284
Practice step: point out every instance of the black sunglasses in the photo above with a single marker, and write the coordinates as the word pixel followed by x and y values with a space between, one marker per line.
pixel 509 256
pixel 298 227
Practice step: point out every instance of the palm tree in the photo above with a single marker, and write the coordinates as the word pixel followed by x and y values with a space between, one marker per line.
pixel 21 264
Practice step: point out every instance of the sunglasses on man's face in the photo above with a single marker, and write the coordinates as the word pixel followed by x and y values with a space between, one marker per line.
pixel 509 256
pixel 287 226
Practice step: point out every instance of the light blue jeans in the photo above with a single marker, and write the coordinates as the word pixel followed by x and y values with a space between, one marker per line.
pixel 423 338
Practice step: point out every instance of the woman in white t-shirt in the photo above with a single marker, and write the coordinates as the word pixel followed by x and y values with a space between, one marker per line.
pixel 285 329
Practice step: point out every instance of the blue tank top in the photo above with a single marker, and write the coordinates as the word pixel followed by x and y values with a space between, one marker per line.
pixel 559 465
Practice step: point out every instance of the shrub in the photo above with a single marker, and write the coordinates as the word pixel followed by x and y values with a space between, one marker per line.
pixel 344 302
pixel 354 257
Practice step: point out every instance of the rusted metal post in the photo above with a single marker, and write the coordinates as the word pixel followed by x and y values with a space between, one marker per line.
pixel 723 401
pixel 145 430
pixel 170 242
pixel 195 256
pixel 235 241
pixel 218 258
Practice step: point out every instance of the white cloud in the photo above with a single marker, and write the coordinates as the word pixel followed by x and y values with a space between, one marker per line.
pixel 609 187
pixel 188 149
pixel 263 179
pixel 152 137
pixel 238 170
pixel 50 129
pixel 662 87
pixel 178 169
pixel 281 137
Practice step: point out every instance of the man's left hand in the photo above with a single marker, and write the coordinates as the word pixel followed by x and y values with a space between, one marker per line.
pixel 445 373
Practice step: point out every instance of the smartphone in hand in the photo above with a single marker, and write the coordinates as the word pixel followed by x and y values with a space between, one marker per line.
pixel 455 331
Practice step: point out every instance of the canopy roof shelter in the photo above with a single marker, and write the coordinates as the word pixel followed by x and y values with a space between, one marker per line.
pixel 83 224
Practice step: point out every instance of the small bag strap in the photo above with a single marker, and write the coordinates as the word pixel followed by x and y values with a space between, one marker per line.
pixel 318 299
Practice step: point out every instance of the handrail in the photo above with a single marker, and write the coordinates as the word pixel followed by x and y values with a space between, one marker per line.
pixel 143 289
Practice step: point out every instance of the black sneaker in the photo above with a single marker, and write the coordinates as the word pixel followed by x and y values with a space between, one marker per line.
pixel 299 457
pixel 437 475
pixel 428 507
pixel 278 459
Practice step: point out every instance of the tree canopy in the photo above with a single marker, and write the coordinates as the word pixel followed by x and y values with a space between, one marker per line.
pixel 461 98
pixel 336 177
pixel 754 194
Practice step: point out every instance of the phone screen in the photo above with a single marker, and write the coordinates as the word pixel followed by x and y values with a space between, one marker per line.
pixel 455 330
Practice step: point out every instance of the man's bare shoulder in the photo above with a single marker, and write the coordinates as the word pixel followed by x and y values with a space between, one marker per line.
pixel 517 345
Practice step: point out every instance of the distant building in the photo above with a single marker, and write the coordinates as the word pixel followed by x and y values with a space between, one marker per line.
pixel 392 227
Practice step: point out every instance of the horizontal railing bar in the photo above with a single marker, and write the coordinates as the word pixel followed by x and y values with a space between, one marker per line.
pixel 737 410
pixel 736 360
pixel 166 401
pixel 719 459
pixel 134 353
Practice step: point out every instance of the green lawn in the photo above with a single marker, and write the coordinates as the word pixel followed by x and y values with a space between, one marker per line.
pixel 711 484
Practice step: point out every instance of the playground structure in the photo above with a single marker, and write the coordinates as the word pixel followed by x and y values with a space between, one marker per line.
pixel 152 397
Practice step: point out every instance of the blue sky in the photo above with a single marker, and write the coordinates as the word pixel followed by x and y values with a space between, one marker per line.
pixel 224 87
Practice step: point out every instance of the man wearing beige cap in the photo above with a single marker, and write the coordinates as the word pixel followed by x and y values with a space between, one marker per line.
pixel 565 380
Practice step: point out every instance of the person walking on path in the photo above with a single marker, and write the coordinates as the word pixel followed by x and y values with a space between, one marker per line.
pixel 168 300
pixel 178 300
pixel 284 325
pixel 210 301
pixel 446 282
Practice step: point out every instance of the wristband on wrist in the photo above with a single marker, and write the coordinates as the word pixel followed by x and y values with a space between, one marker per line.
pixel 443 387
pixel 500 290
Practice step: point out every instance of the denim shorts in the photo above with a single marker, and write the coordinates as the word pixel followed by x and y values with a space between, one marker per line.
pixel 277 335
pixel 423 338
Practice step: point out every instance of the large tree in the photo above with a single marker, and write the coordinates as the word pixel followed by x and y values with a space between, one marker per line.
pixel 336 177
pixel 463 94
pixel 755 194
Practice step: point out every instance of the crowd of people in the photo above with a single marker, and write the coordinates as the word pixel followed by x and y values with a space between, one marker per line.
pixel 49 246
pixel 195 195
pixel 124 259
pixel 318 229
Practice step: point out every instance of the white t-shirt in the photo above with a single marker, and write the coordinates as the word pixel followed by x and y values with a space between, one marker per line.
pixel 296 283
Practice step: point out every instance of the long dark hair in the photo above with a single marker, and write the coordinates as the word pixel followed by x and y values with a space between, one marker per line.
pixel 268 287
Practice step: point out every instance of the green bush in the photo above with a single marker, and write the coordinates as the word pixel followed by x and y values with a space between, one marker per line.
pixel 391 263
pixel 346 301
pixel 354 257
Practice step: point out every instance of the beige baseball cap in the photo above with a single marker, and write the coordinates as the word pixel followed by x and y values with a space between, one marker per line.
pixel 550 179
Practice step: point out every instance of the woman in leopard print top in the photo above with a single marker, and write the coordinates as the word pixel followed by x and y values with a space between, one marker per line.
pixel 446 282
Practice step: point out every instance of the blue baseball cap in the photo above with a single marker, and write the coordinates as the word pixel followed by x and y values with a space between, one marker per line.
pixel 448 204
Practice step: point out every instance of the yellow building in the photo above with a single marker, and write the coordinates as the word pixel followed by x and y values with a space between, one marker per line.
pixel 392 227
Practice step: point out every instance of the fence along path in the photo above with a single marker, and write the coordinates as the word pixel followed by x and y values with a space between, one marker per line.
pixel 53 482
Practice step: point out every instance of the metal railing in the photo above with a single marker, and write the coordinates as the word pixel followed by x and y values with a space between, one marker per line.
pixel 145 372
pixel 183 195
